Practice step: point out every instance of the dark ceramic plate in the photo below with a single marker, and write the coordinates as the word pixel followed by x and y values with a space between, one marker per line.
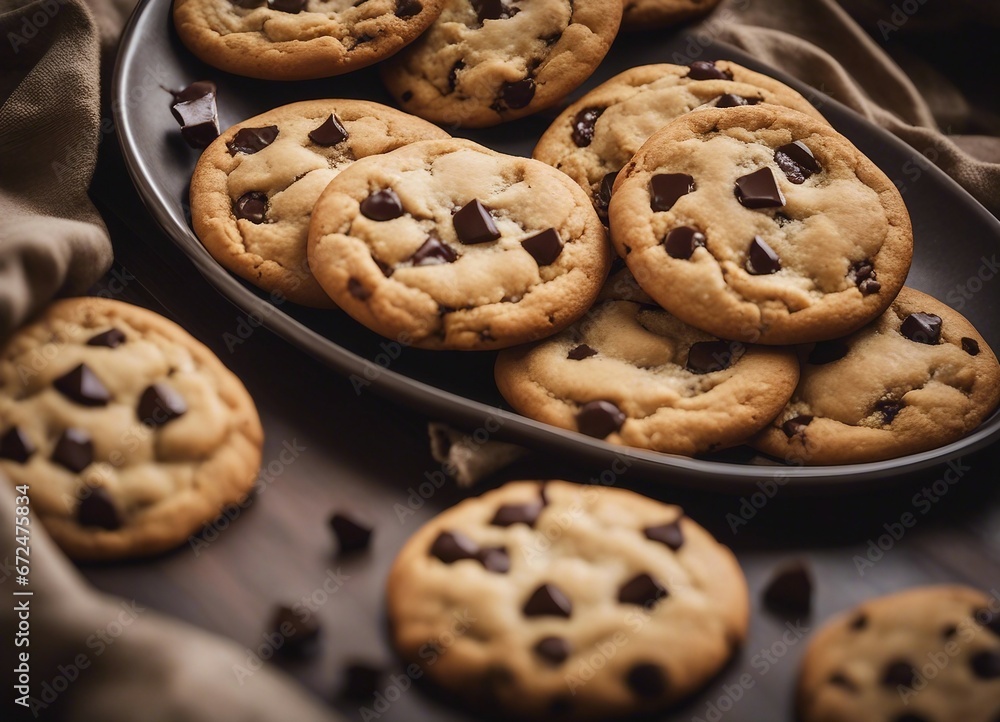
pixel 955 239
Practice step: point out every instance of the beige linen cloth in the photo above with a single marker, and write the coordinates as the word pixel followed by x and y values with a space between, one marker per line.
pixel 52 242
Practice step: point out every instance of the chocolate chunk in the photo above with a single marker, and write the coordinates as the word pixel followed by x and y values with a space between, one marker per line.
pixel 862 274
pixel 922 328
pixel 357 289
pixel 251 206
pixel 160 404
pixel 16 446
pixel 859 622
pixel 98 509
pixel 544 247
pixel 330 132
pixel 704 70
pixel 949 631
pixel 603 198
pixel 647 680
pixel 888 408
pixel 432 252
pixel 706 357
pixel 796 425
pixel 83 387
pixel 553 650
pixel 518 94
pixel 761 258
pixel 453 74
pixel 797 161
pixel 352 533
pixel 112 338
pixel 898 673
pixel 838 679
pixel 641 590
pixel 474 224
pixel 495 559
pixel 986 665
pixel 287 6
pixel 970 346
pixel 383 205
pixel 296 629
pixel 510 514
pixel 408 8
pixel 74 450
pixel 361 681
pixel 492 10
pixel 453 546
pixel 759 190
pixel 669 534
pixel 386 269
pixel 195 109
pixel 252 140
pixel 407 95
pixel 988 619
pixel 583 126
pixel 681 242
pixel 547 601
pixel 789 593
pixel 578 353
pixel 666 188
pixel 599 418
pixel 826 352
pixel 729 100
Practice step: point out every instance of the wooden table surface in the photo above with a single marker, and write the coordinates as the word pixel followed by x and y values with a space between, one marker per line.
pixel 365 453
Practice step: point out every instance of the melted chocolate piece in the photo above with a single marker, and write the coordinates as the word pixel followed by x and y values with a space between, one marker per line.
pixel 641 590
pixel 898 673
pixel 361 681
pixel 74 450
pixel 825 352
pixel 729 100
pixel 986 665
pixel 797 161
pixel 251 206
pixel 495 559
pixel 298 630
pixel 704 70
pixel 433 252
pixel 603 199
pixel 922 328
pixel 159 405
pixel 352 534
pixel 790 591
pixel 553 650
pixel 548 601
pixel 329 132
pixel 681 242
pixel 544 247
pixel 112 338
pixel 195 109
pixel 583 126
pixel 759 190
pixel 666 188
pixel 647 680
pixel 287 6
pixel 510 514
pixel 761 258
pixel 451 547
pixel 16 446
pixel 796 425
pixel 518 94
pixel 578 353
pixel 862 274
pixel 970 346
pixel 706 357
pixel 82 386
pixel 599 418
pixel 669 534
pixel 888 409
pixel 98 509
pixel 383 205
pixel 408 8
pixel 859 622
pixel 837 679
pixel 252 140
pixel 474 224
pixel 492 10
pixel 357 289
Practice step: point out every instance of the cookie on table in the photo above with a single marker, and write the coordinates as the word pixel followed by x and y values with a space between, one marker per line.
pixel 917 378
pixel 929 654
pixel 650 14
pixel 633 374
pixel 508 599
pixel 446 244
pixel 299 39
pixel 130 433
pixel 485 62
pixel 254 188
pixel 597 135
pixel 761 224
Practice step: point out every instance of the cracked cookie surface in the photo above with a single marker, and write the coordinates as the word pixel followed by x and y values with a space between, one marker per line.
pixel 449 245
pixel 507 598
pixel 597 135
pixel 761 224
pixel 918 377
pixel 928 654
pixel 484 62
pixel 648 14
pixel 131 433
pixel 299 39
pixel 633 374
pixel 254 188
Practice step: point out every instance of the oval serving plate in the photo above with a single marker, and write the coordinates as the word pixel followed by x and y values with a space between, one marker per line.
pixel 955 241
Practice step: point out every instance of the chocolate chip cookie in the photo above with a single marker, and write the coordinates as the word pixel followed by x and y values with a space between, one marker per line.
pixel 597 135
pixel 650 14
pixel 929 654
pixel 633 374
pixel 917 378
pixel 130 433
pixel 445 244
pixel 299 39
pixel 484 62
pixel 554 600
pixel 254 188
pixel 761 224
